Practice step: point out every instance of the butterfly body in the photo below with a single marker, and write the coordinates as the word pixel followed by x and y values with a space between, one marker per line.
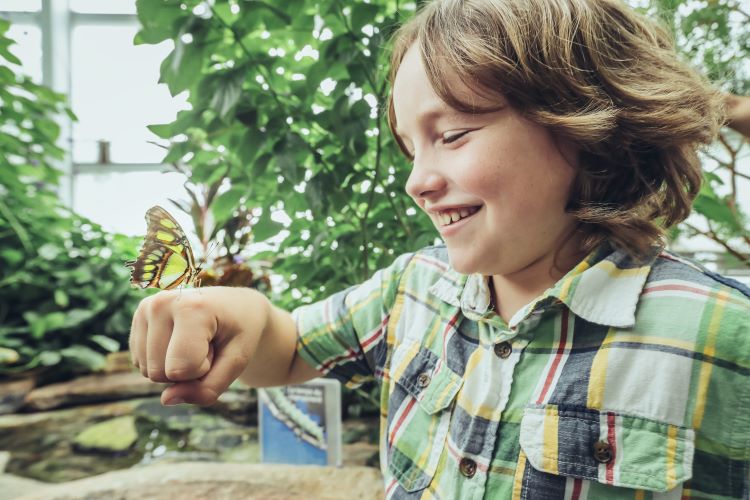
pixel 165 260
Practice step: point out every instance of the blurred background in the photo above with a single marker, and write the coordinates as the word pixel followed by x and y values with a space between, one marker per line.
pixel 260 126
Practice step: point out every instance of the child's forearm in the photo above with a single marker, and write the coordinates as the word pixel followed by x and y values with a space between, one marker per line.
pixel 275 361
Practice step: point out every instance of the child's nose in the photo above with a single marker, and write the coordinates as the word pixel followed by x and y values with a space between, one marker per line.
pixel 424 180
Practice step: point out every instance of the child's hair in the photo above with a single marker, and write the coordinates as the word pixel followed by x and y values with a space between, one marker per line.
pixel 598 75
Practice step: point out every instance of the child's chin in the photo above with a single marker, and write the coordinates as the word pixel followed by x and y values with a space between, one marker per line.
pixel 462 263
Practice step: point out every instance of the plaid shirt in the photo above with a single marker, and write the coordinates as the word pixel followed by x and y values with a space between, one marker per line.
pixel 624 380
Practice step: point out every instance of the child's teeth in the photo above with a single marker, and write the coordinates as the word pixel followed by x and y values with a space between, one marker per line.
pixel 451 216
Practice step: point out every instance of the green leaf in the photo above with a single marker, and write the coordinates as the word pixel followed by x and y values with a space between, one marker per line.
pixel 226 203
pixel 84 357
pixel 362 15
pixel 8 56
pixel 157 19
pixel 106 343
pixel 716 210
pixel 227 93
pixel 61 298
pixel 266 228
pixel 49 358
pixel 164 131
pixel 8 356
pixel 183 67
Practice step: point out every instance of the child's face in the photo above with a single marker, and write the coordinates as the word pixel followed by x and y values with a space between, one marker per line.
pixel 508 177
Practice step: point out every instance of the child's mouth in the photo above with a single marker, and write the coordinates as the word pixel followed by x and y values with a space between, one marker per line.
pixel 450 217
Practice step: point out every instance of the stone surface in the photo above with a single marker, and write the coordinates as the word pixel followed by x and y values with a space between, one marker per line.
pixel 238 405
pixel 12 487
pixel 4 457
pixel 221 481
pixel 13 393
pixel 93 388
pixel 119 362
pixel 361 453
pixel 41 443
pixel 116 435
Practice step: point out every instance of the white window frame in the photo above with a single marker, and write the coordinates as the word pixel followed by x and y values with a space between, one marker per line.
pixel 56 22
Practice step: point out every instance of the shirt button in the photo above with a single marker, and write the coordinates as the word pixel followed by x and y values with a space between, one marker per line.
pixel 468 467
pixel 423 380
pixel 602 452
pixel 503 349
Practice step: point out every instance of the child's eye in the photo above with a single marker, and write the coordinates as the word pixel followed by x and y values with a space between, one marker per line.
pixel 453 138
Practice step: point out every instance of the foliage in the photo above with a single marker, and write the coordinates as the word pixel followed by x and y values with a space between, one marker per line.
pixel 288 112
pixel 225 247
pixel 715 36
pixel 64 294
pixel 289 106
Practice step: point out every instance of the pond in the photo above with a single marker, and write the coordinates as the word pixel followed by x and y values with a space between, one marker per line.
pixel 63 445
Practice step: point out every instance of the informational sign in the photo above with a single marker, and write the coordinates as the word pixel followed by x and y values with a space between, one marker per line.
pixel 301 424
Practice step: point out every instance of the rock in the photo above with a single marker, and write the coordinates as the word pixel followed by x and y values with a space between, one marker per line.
pixel 119 362
pixel 41 443
pixel 175 457
pixel 90 389
pixel 239 405
pixel 4 457
pixel 222 480
pixel 13 392
pixel 248 453
pixel 12 487
pixel 179 417
pixel 220 439
pixel 361 453
pixel 116 435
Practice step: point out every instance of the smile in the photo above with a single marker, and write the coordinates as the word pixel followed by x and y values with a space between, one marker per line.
pixel 448 217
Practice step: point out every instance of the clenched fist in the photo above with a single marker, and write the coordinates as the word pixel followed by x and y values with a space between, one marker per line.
pixel 199 339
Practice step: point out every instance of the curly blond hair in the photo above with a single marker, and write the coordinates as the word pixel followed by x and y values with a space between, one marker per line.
pixel 598 75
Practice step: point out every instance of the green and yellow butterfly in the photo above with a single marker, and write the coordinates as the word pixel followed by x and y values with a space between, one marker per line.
pixel 166 259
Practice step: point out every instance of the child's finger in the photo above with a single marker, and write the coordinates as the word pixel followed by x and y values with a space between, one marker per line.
pixel 157 341
pixel 227 367
pixel 136 342
pixel 187 355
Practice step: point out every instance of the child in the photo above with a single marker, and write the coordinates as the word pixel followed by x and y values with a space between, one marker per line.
pixel 551 348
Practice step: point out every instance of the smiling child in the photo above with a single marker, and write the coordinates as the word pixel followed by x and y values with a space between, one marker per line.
pixel 551 348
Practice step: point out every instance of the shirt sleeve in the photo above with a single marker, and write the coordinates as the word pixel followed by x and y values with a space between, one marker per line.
pixel 344 336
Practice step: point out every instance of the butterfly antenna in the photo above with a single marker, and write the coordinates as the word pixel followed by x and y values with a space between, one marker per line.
pixel 213 246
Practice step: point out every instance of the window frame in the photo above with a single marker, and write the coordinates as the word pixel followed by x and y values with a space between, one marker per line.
pixel 57 21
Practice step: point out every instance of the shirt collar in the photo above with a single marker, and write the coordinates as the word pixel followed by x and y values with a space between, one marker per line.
pixel 604 288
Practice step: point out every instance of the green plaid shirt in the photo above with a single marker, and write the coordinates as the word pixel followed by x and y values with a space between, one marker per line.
pixel 623 380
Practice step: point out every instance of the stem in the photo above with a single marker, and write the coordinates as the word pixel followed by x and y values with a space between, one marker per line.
pixel 745 259
pixel 396 212
pixel 731 165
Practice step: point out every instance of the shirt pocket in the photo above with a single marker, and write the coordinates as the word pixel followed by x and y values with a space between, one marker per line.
pixel 610 448
pixel 420 406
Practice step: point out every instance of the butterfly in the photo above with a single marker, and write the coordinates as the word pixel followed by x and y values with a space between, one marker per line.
pixel 165 260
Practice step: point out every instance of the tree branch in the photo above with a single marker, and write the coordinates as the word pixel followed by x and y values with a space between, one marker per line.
pixel 711 234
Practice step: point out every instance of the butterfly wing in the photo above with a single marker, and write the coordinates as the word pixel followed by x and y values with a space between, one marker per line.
pixel 166 259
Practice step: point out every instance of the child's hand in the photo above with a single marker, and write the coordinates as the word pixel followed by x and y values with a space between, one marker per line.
pixel 738 113
pixel 200 339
